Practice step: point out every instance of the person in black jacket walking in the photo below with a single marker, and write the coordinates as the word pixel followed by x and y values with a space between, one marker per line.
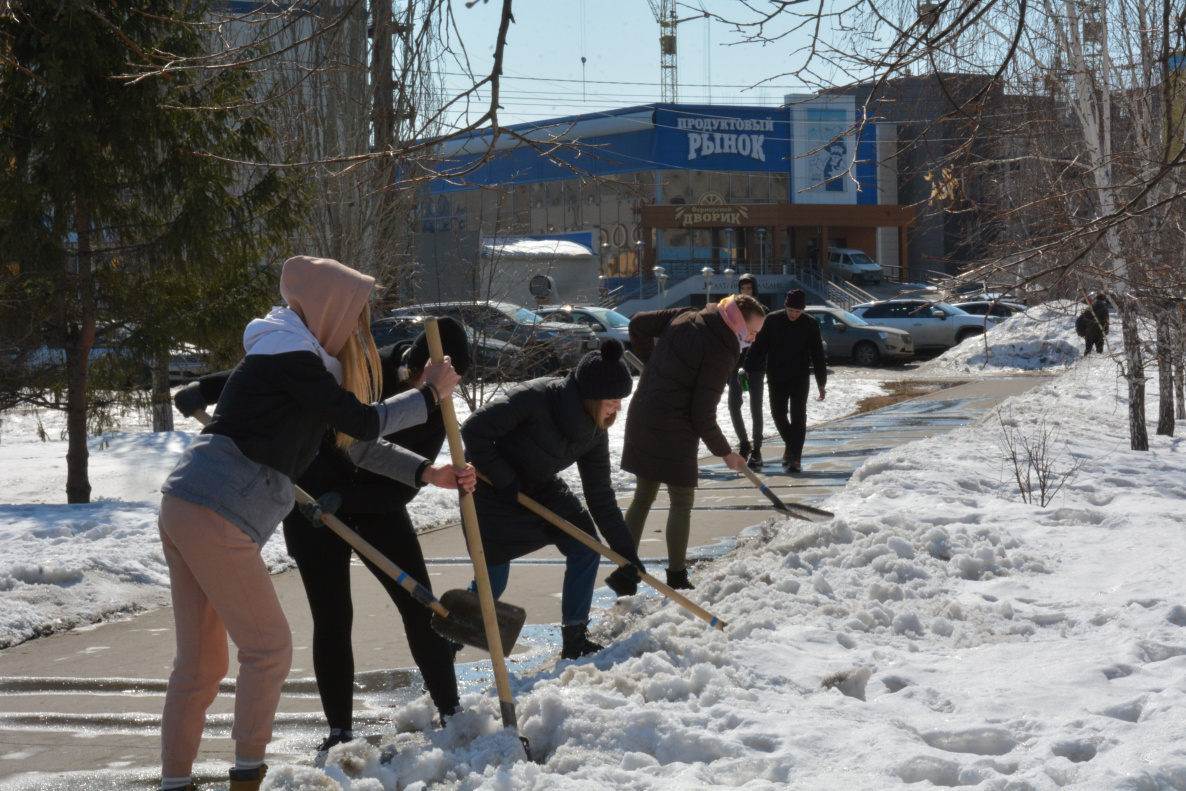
pixel 376 508
pixel 521 440
pixel 745 380
pixel 787 348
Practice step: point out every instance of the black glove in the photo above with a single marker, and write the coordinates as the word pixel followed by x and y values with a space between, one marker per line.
pixel 624 580
pixel 189 399
pixel 328 503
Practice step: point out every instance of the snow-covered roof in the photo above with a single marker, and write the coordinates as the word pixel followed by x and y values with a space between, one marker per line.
pixel 522 247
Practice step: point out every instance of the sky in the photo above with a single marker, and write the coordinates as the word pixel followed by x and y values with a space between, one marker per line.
pixel 620 40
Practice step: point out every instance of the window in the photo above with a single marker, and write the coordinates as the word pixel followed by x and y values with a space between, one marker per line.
pixel 826 321
pixel 878 311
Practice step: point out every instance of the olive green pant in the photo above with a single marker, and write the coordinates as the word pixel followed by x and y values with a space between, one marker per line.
pixel 679 518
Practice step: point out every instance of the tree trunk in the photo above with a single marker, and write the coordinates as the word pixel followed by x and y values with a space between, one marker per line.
pixel 1165 373
pixel 1134 372
pixel 81 339
pixel 162 403
pixel 1176 353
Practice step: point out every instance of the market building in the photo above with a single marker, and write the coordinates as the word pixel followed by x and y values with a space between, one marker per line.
pixel 673 201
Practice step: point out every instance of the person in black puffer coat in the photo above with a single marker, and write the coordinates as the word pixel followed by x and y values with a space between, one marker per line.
pixel 377 509
pixel 753 380
pixel 1092 324
pixel 521 441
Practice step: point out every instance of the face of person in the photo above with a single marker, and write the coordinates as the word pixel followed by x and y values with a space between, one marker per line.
pixel 746 288
pixel 610 407
pixel 754 325
pixel 794 313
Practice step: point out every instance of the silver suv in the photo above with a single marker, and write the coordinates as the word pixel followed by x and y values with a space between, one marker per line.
pixel 932 325
pixel 548 347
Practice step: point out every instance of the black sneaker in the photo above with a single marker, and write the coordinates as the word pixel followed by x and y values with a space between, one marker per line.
pixel 336 737
pixel 577 642
pixel 755 460
pixel 679 579
pixel 793 465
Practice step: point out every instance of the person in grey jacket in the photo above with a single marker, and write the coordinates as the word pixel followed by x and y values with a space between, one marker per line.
pixel 521 441
pixel 308 366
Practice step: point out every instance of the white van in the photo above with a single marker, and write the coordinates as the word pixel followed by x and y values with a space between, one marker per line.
pixel 845 263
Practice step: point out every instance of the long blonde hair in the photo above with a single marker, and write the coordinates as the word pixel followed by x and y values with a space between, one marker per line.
pixel 362 374
pixel 593 408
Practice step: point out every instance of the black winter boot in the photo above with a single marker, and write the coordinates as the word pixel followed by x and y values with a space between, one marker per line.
pixel 336 736
pixel 623 581
pixel 577 642
pixel 744 448
pixel 679 579
pixel 247 779
pixel 755 460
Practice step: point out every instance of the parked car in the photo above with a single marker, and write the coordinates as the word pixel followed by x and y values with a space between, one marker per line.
pixel 187 363
pixel 847 335
pixel 845 263
pixel 547 347
pixel 604 322
pixel 932 325
pixel 1001 310
pixel 490 357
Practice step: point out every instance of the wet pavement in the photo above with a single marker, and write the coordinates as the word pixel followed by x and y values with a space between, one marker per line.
pixel 82 709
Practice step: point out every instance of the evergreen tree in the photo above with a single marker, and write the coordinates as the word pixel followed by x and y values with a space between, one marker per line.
pixel 129 209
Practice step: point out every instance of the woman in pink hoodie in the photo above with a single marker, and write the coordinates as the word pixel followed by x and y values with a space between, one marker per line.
pixel 309 366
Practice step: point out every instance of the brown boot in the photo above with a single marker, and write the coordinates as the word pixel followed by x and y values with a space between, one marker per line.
pixel 247 779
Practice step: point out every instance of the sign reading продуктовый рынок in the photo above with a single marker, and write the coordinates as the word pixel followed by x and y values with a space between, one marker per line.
pixel 743 136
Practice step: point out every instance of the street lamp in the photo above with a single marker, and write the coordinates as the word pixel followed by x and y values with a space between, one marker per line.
pixel 638 263
pixel 707 273
pixel 604 259
pixel 661 279
pixel 729 273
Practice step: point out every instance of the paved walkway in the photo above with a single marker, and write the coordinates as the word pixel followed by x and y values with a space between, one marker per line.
pixel 89 700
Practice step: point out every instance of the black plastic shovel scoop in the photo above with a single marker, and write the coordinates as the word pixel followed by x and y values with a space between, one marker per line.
pixel 464 622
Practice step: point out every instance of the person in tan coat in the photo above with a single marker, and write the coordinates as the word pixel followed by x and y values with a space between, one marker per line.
pixel 690 355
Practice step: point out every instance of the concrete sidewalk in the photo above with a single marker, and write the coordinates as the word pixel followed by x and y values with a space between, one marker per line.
pixel 90 700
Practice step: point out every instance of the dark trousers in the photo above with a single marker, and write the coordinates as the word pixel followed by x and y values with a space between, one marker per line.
pixel 755 407
pixel 1094 340
pixel 324 562
pixel 791 395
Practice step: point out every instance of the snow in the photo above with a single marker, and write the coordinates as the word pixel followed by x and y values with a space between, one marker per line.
pixel 938 632
pixel 521 247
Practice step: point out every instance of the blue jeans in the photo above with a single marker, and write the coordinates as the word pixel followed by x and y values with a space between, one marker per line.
pixel 580 577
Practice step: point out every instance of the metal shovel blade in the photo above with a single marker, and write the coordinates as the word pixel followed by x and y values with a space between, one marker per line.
pixel 464 624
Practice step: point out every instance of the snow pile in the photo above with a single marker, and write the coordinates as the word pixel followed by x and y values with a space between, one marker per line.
pixel 938 631
pixel 1042 337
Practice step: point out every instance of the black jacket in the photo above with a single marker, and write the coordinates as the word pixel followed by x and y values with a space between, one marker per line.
pixel 276 408
pixel 787 350
pixel 529 434
pixel 362 491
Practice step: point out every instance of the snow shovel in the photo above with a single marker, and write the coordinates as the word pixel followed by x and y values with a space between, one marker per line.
pixel 456 615
pixel 469 520
pixel 603 550
pixel 797 510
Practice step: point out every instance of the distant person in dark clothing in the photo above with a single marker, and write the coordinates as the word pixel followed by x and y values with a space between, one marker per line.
pixel 753 380
pixel 1092 324
pixel 787 348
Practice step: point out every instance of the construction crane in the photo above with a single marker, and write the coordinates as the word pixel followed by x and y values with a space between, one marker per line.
pixel 664 11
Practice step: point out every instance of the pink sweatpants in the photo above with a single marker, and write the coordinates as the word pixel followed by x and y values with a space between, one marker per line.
pixel 220 586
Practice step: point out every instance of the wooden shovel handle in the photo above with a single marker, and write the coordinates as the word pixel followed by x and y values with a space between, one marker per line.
pixel 469 520
pixel 603 550
pixel 363 547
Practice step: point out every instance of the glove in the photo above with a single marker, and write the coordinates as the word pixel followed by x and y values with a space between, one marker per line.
pixel 624 580
pixel 328 503
pixel 189 399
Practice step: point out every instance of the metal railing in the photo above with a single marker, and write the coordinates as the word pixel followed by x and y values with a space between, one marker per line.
pixel 839 294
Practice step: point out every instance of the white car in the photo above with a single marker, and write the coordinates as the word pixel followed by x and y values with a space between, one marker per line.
pixel 932 325
pixel 845 263
pixel 604 322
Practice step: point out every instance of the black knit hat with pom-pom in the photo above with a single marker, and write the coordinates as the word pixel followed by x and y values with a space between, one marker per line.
pixel 603 374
